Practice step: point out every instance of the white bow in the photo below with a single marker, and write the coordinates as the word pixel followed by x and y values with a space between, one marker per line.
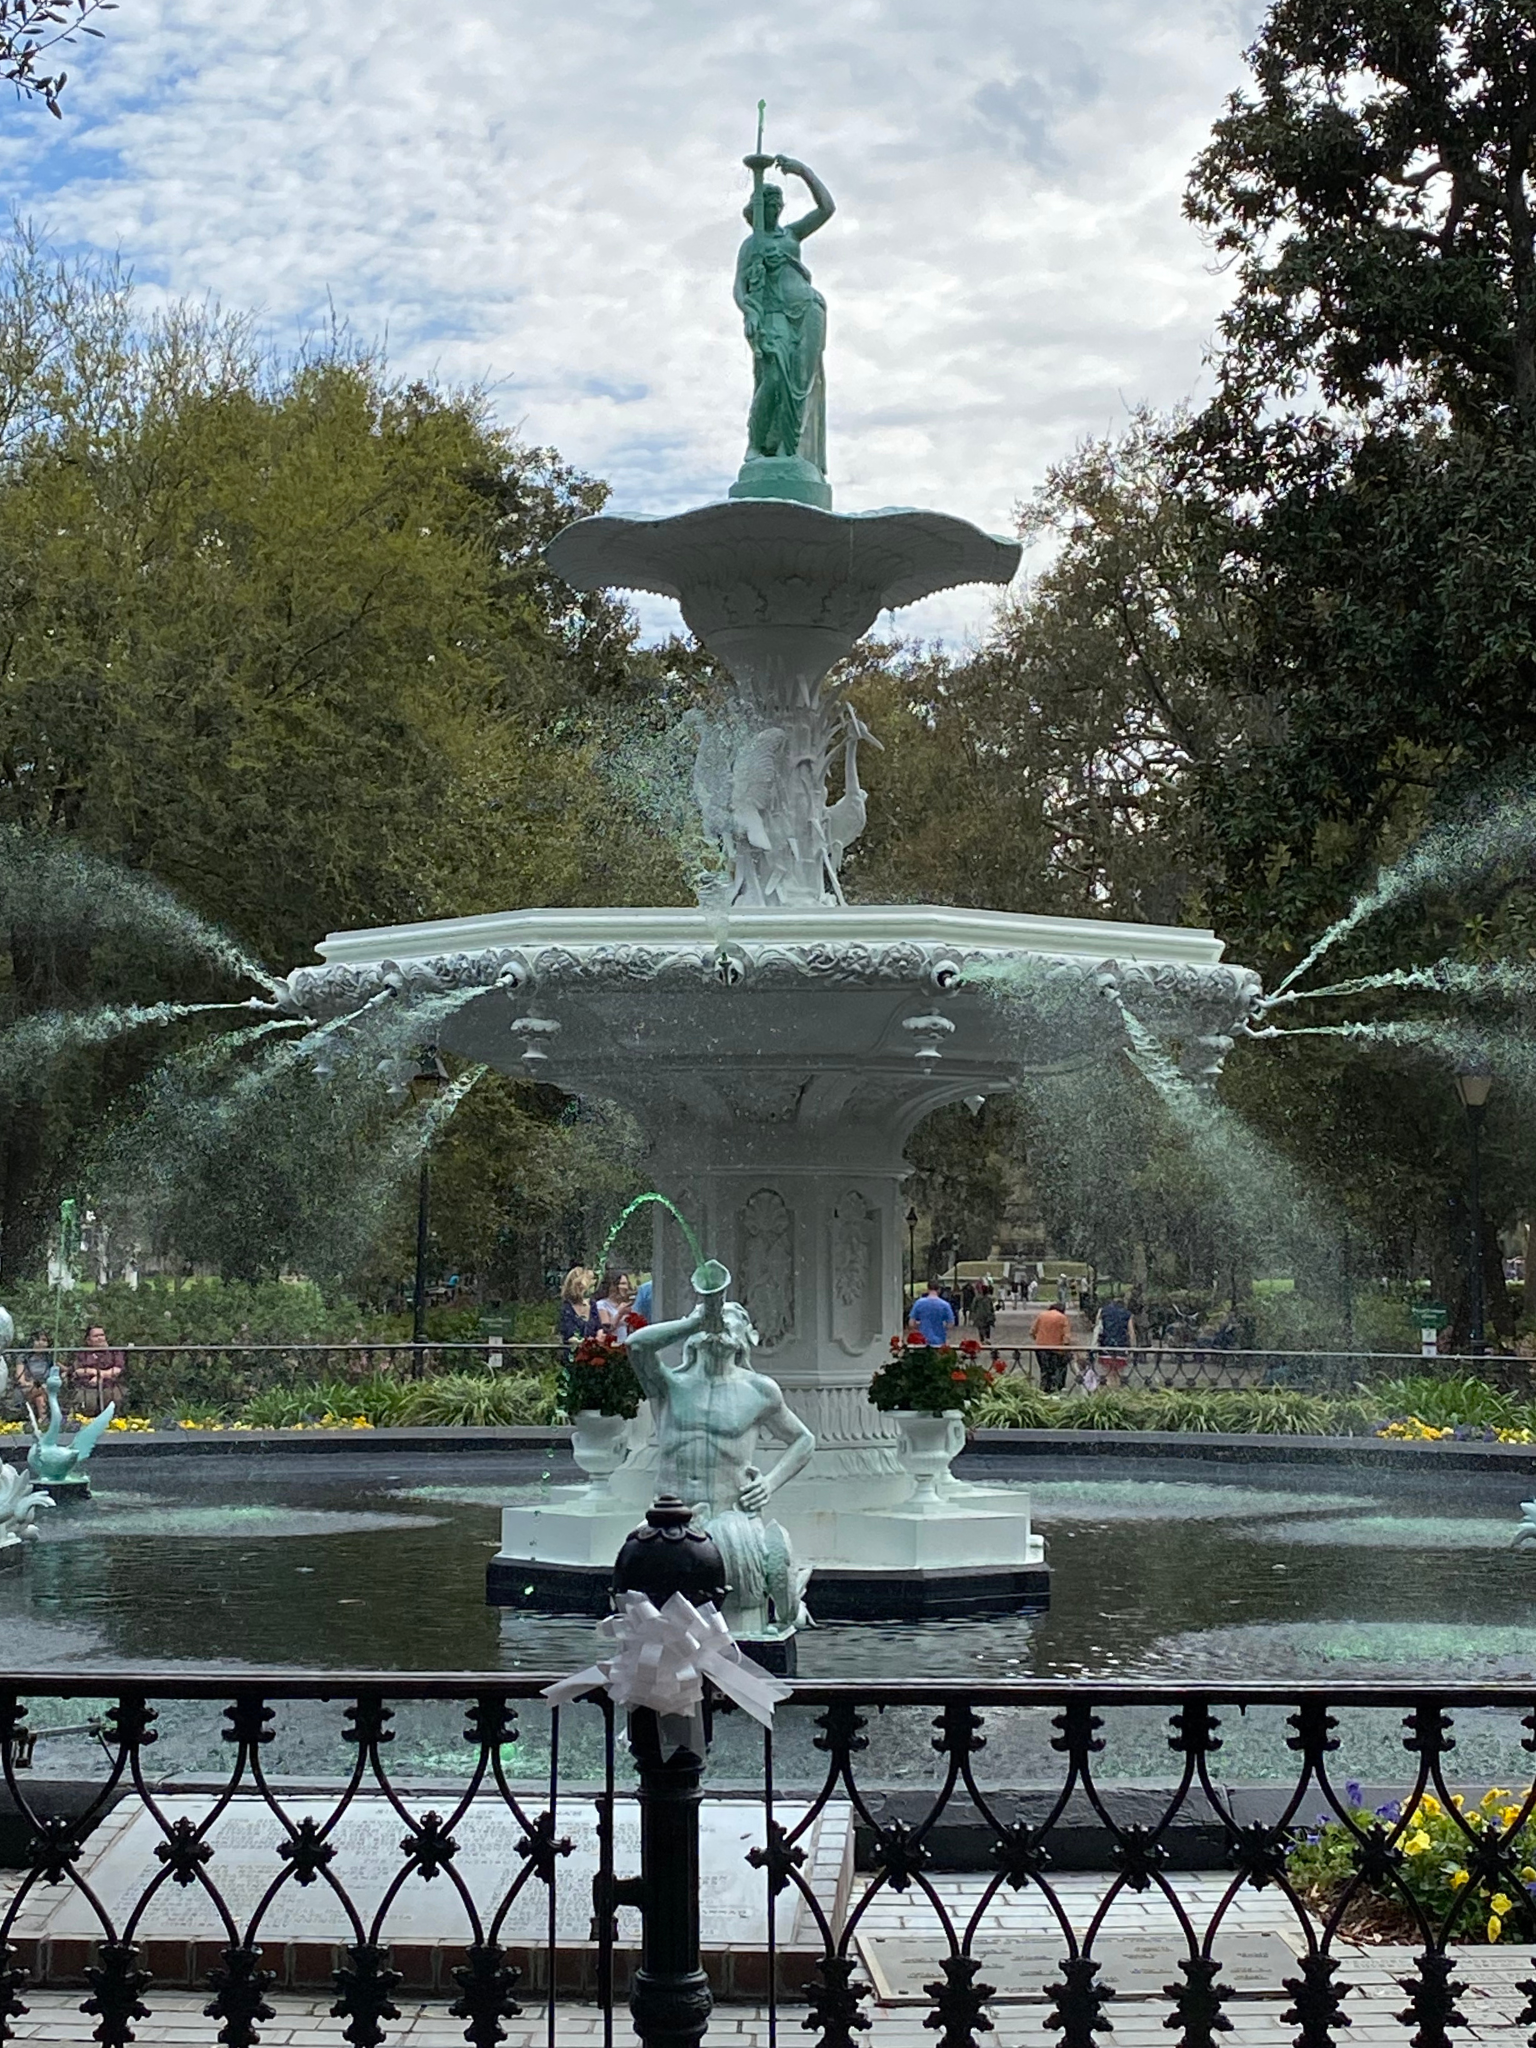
pixel 664 1656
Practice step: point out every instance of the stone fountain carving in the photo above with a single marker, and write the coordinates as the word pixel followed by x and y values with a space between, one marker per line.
pixel 20 1498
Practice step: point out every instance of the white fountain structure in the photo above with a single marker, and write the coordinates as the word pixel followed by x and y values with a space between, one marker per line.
pixel 778 1045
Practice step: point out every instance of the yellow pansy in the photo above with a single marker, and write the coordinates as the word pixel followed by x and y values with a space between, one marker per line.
pixel 1459 1878
pixel 1501 1904
pixel 1509 1815
pixel 1429 1806
pixel 1495 1926
pixel 1527 1874
pixel 1416 1843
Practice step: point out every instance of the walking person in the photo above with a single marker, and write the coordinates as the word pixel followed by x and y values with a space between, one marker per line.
pixel 932 1317
pixel 1113 1335
pixel 984 1313
pixel 1052 1338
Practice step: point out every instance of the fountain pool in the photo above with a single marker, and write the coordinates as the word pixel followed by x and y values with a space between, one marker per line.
pixel 1210 1573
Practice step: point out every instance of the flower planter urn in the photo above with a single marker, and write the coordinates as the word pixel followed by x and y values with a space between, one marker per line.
pixel 928 1442
pixel 598 1444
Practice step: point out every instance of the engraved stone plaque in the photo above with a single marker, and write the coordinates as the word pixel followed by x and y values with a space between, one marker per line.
pixel 119 1863
pixel 1020 1966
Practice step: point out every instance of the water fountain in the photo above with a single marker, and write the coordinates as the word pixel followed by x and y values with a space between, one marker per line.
pixel 777 1043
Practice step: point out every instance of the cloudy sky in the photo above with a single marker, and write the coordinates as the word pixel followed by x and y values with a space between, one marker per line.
pixel 543 195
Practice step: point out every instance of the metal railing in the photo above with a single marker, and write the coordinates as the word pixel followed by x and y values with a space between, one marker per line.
pixel 450 1838
pixel 1194 1367
pixel 254 1368
pixel 157 1379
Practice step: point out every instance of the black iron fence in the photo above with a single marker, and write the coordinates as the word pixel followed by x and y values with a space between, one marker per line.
pixel 1196 1367
pixel 162 1380
pixel 1091 1853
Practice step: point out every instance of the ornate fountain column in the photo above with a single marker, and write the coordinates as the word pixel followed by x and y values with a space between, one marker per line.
pixel 808 1224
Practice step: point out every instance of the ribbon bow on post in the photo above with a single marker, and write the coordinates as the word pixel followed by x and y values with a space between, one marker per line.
pixel 662 1658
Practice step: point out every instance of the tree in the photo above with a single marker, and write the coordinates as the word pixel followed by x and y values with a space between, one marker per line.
pixel 277 634
pixel 1048 769
pixel 29 29
pixel 1366 461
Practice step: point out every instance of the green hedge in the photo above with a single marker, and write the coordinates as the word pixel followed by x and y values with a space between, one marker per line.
pixel 1235 1411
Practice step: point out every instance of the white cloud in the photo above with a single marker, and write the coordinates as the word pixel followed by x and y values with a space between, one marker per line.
pixel 548 198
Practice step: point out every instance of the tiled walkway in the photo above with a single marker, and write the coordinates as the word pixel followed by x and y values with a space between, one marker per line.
pixel 1490 2003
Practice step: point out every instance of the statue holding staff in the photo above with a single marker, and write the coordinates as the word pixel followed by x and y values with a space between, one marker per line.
pixel 786 322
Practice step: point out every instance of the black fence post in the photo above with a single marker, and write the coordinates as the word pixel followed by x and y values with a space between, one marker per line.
pixel 670 2000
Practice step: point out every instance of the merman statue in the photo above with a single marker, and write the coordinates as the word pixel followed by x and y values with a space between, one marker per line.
pixel 55 1463
pixel 710 1409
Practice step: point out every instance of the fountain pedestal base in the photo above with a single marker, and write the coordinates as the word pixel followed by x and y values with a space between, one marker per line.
pixel 970 1552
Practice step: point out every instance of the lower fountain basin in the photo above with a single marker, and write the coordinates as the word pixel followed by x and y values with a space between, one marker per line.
pixel 970 1553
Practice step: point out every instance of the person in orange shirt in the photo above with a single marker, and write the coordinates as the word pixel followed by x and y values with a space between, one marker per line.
pixel 1051 1338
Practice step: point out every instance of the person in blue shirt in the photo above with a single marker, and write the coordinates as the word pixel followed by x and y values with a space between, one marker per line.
pixel 933 1316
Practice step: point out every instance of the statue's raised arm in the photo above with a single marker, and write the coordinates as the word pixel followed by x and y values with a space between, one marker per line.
pixel 646 1344
pixel 825 205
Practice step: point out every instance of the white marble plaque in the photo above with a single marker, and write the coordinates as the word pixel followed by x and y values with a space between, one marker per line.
pixel 120 1863
pixel 1022 1965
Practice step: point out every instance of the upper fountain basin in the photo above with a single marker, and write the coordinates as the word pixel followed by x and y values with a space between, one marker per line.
pixel 778 589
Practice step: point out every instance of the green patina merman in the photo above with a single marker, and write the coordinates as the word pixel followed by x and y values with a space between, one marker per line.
pixel 786 325
pixel 51 1459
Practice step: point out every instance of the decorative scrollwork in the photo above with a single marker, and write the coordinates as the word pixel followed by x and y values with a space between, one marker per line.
pixel 226 1894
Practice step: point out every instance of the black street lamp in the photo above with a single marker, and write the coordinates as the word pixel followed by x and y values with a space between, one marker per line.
pixel 1473 1081
pixel 911 1259
pixel 426 1084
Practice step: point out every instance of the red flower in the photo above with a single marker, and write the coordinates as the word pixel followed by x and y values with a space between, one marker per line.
pixel 961 1376
pixel 970 1347
pixel 916 1341
pixel 895 1343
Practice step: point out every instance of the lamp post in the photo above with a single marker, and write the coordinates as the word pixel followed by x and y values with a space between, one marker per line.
pixel 911 1260
pixel 426 1084
pixel 1473 1081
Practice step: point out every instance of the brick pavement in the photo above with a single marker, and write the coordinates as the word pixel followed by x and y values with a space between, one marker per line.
pixel 1491 2002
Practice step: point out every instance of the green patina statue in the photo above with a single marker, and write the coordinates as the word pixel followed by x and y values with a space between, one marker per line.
pixel 786 325
pixel 54 1460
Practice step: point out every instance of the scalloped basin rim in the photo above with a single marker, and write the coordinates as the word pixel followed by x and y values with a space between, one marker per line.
pixel 907 553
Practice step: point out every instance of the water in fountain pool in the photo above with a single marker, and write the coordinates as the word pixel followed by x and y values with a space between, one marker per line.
pixel 1204 1572
pixel 354 1561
